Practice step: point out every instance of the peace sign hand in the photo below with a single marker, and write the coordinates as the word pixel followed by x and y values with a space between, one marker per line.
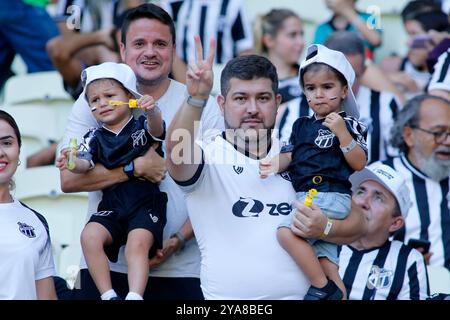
pixel 199 76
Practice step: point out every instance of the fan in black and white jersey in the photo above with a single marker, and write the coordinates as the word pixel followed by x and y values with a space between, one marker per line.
pixel 377 109
pixel 422 133
pixel 223 20
pixel 440 80
pixel 373 267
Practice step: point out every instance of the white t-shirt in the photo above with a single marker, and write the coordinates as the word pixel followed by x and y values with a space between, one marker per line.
pixel 235 215
pixel 184 263
pixel 25 252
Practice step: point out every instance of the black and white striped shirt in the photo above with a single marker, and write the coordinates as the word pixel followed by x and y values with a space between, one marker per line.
pixel 429 217
pixel 393 271
pixel 223 20
pixel 289 88
pixel 377 112
pixel 441 75
pixel 88 19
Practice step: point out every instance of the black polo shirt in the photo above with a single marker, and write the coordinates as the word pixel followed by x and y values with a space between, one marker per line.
pixel 115 150
pixel 316 152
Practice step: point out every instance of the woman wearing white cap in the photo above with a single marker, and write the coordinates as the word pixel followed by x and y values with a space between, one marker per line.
pixel 325 149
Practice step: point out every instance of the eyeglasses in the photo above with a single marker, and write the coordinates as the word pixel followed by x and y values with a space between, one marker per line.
pixel 439 136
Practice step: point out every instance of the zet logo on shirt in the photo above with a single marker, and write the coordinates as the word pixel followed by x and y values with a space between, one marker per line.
pixel 248 207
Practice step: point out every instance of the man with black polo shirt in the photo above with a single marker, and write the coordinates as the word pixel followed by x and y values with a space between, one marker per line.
pixel 422 133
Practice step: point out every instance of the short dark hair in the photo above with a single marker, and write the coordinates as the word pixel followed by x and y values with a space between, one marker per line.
pixel 10 120
pixel 346 42
pixel 317 66
pixel 149 11
pixel 248 67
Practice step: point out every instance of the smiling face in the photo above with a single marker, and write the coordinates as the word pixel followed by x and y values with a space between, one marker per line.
pixel 9 153
pixel 149 51
pixel 99 93
pixel 324 91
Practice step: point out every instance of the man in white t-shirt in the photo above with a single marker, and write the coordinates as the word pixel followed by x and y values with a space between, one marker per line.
pixel 235 213
pixel 148 47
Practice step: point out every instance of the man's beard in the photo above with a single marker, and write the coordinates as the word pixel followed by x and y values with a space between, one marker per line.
pixel 434 168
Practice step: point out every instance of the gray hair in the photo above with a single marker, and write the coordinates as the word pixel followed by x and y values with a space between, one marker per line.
pixel 409 117
pixel 346 42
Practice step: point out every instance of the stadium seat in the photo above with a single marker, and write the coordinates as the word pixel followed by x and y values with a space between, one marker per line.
pixel 439 278
pixel 39 126
pixel 69 263
pixel 39 87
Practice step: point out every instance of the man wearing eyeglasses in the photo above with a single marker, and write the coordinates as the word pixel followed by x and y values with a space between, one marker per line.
pixel 422 134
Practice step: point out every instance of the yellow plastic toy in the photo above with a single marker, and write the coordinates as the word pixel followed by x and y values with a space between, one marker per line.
pixel 309 197
pixel 73 146
pixel 132 103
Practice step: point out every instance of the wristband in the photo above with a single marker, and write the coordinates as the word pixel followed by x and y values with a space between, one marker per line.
pixel 198 103
pixel 349 147
pixel 327 228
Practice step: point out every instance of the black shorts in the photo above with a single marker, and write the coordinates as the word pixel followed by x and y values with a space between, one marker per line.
pixel 149 215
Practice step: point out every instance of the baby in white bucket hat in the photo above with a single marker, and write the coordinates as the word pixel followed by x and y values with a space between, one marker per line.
pixel 133 212
pixel 324 150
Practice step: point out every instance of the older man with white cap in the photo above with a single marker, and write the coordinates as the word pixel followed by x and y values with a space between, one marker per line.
pixel 373 267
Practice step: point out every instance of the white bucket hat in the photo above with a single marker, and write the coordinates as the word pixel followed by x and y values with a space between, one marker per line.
pixel 337 60
pixel 388 178
pixel 111 70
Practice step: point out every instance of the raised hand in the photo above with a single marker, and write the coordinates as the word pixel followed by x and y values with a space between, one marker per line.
pixel 199 76
pixel 147 103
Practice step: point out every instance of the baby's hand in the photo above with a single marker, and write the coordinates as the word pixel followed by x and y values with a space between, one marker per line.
pixel 62 159
pixel 147 103
pixel 266 168
pixel 335 123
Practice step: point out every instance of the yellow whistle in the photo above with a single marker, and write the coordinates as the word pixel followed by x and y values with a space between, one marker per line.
pixel 309 197
pixel 73 146
pixel 132 103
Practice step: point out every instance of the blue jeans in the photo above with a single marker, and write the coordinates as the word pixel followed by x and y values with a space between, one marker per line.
pixel 334 205
pixel 24 30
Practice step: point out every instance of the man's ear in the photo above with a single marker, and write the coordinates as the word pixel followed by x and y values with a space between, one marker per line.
pixel 408 136
pixel 396 224
pixel 122 51
pixel 221 102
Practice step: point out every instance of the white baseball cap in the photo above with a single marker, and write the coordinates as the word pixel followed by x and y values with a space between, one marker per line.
pixel 388 178
pixel 111 70
pixel 337 60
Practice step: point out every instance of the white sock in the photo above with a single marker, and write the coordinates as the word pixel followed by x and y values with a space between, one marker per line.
pixel 108 295
pixel 133 296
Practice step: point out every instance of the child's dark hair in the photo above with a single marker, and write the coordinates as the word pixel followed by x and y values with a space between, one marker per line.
pixel 105 79
pixel 10 120
pixel 318 66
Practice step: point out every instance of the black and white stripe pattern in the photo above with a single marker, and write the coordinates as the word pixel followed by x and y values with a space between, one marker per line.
pixel 107 11
pixel 429 217
pixel 223 20
pixel 441 75
pixel 294 109
pixel 378 111
pixel 289 89
pixel 393 271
